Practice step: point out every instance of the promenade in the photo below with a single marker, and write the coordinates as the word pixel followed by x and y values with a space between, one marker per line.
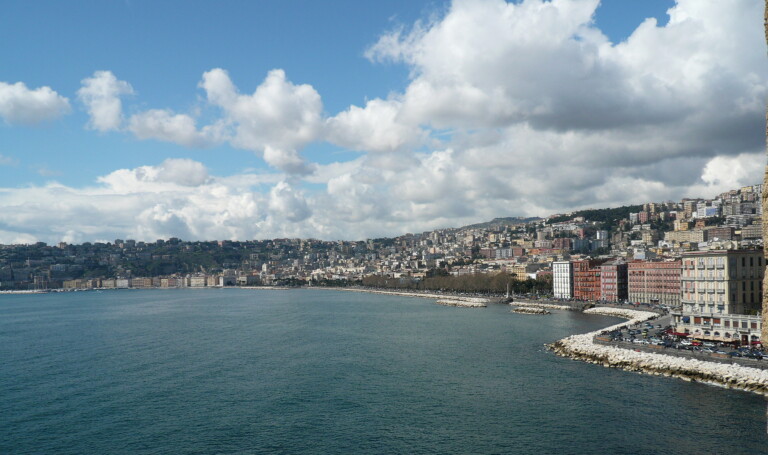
pixel 584 347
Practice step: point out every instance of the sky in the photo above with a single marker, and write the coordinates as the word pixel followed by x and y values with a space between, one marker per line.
pixel 351 120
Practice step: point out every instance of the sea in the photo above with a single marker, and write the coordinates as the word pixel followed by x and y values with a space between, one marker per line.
pixel 310 371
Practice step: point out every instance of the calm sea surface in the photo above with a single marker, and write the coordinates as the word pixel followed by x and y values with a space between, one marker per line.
pixel 311 371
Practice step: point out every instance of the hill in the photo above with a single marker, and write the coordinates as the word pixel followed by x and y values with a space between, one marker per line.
pixel 499 222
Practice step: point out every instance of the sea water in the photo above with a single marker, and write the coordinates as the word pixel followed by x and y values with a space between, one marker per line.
pixel 317 371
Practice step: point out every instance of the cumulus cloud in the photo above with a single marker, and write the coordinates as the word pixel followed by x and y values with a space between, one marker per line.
pixel 21 106
pixel 278 119
pixel 520 108
pixel 374 128
pixel 283 199
pixel 177 197
pixel 492 63
pixel 170 173
pixel 164 125
pixel 554 116
pixel 101 96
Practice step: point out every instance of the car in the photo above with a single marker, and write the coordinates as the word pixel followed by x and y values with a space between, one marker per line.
pixel 734 354
pixel 686 343
pixel 708 344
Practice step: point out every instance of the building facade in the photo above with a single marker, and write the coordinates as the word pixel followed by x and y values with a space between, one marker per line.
pixel 586 280
pixel 562 279
pixel 613 281
pixel 719 287
pixel 654 282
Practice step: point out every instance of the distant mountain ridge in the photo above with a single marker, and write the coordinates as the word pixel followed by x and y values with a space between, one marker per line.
pixel 505 221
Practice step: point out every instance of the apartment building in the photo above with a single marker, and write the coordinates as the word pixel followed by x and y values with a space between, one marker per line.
pixel 586 279
pixel 562 279
pixel 719 286
pixel 655 282
pixel 613 281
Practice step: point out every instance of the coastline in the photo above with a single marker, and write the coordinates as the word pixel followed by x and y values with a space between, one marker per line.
pixel 582 347
pixel 447 299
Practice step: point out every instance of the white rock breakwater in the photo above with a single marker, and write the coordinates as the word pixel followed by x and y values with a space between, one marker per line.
pixel 468 303
pixel 540 305
pixel 526 310
pixel 442 299
pixel 582 347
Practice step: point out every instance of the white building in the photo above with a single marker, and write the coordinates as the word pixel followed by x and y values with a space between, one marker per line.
pixel 562 279
pixel 721 295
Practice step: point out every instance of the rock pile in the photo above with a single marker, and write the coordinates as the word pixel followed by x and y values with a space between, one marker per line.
pixel 468 302
pixel 527 310
pixel 582 347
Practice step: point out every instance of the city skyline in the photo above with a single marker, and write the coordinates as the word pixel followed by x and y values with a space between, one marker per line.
pixel 266 121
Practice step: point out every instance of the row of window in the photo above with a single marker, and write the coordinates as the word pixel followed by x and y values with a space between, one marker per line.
pixel 700 320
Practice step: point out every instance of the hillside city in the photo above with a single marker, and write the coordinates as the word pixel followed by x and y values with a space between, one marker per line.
pixel 701 258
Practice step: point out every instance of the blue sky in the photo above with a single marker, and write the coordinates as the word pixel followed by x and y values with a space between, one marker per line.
pixel 336 57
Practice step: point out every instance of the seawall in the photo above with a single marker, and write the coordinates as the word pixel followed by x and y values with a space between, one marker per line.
pixel 582 347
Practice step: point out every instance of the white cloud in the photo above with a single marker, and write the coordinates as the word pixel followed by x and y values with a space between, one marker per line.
pixel 170 174
pixel 166 126
pixel 278 119
pixel 512 109
pixel 21 106
pixel 101 96
pixel 374 128
pixel 289 203
pixel 544 113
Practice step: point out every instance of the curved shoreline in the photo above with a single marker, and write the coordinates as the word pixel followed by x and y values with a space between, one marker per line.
pixel 582 347
pixel 441 299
